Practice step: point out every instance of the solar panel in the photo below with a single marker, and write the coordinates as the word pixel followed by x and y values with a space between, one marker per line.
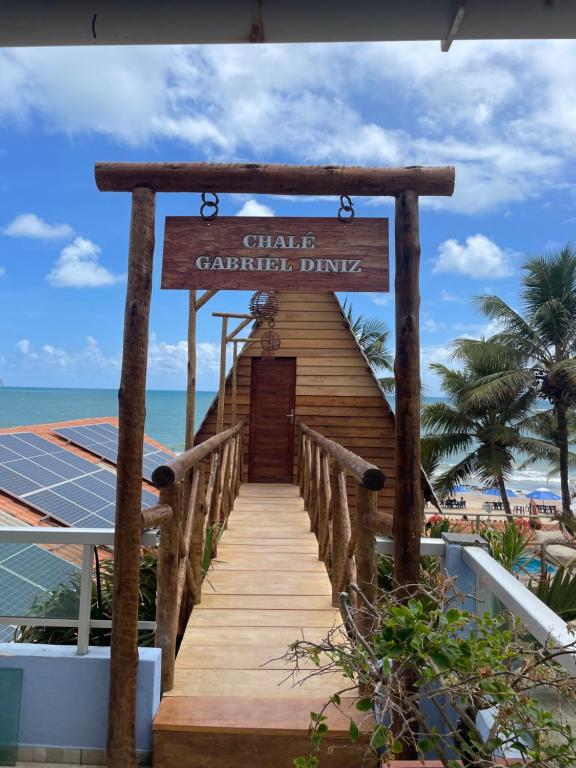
pixel 58 483
pixel 16 484
pixel 26 572
pixel 102 440
pixel 7 633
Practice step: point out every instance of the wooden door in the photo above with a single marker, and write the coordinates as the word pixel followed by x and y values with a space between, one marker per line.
pixel 272 402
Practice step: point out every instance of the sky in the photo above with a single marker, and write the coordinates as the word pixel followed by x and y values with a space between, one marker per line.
pixel 504 113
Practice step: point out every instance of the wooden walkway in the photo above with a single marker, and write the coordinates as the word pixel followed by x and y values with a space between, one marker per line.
pixel 233 701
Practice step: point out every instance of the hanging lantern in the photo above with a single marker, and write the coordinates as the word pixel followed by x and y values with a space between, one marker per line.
pixel 270 342
pixel 264 305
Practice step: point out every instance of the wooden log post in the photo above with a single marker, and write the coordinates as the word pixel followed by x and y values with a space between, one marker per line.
pixel 324 507
pixel 191 380
pixel 223 471
pixel 240 463
pixel 198 516
pixel 367 572
pixel 132 413
pixel 408 498
pixel 234 381
pixel 167 585
pixel 222 386
pixel 316 476
pixel 340 531
pixel 300 464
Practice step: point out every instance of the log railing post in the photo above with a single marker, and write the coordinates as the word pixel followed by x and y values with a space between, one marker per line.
pixel 315 503
pixel 191 373
pixel 167 585
pixel 223 465
pixel 197 542
pixel 306 470
pixel 239 463
pixel 408 505
pixel 323 507
pixel 340 531
pixel 132 412
pixel 367 572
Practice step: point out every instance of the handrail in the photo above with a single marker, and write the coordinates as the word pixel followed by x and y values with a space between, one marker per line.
pixel 361 470
pixel 545 625
pixel 168 474
pixel 345 541
pixel 87 538
pixel 191 512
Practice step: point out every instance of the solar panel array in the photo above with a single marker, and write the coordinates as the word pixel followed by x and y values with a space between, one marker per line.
pixel 26 572
pixel 102 440
pixel 59 483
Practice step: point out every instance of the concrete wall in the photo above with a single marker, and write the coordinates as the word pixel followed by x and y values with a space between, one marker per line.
pixel 65 696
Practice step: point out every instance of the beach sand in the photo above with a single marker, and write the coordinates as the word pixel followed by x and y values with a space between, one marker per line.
pixel 475 501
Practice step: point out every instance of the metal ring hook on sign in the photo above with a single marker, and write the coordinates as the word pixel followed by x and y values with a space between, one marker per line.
pixel 346 210
pixel 206 204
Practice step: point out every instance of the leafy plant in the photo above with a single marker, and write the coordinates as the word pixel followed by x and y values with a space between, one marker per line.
pixel 508 544
pixel 460 663
pixel 373 338
pixel 558 591
pixel 436 526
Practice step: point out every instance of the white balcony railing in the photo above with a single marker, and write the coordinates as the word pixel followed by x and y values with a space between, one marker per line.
pixel 87 538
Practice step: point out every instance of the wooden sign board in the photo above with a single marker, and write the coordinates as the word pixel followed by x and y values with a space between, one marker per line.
pixel 288 254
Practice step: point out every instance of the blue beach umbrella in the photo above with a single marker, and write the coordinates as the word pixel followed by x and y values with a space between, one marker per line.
pixel 543 493
pixel 495 492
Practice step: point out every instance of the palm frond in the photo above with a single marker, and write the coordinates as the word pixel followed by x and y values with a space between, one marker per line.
pixel 442 418
pixel 457 474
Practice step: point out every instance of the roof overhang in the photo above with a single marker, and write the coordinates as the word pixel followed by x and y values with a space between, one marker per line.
pixel 139 22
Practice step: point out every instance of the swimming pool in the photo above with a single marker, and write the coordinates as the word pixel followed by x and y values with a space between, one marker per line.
pixel 531 565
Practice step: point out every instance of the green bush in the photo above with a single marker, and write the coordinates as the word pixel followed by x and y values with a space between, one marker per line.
pixel 460 662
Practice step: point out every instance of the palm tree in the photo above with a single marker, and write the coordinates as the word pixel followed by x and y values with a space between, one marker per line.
pixel 543 427
pixel 545 336
pixel 373 336
pixel 487 436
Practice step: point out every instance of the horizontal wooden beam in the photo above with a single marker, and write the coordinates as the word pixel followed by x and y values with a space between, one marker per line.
pixel 237 315
pixel 274 179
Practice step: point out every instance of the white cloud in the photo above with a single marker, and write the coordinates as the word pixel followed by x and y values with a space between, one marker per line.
pixel 439 353
pixel 172 358
pixel 380 299
pixel 447 296
pixel 479 257
pixel 30 225
pixel 430 325
pixel 502 111
pixel 25 347
pixel 254 208
pixel 78 267
pixel 89 357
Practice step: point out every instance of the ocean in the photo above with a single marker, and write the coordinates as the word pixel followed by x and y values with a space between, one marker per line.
pixel 165 418
pixel 165 409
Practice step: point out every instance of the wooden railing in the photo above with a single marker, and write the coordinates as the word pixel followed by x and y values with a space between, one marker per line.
pixel 190 506
pixel 346 542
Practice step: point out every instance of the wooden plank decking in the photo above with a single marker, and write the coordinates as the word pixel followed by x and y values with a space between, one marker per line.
pixel 233 701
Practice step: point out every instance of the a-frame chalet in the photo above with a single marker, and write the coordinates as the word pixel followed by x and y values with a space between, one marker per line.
pixel 319 376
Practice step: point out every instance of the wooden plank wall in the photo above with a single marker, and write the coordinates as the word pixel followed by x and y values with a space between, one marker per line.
pixel 336 393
